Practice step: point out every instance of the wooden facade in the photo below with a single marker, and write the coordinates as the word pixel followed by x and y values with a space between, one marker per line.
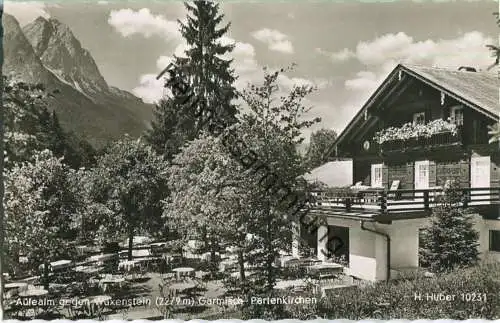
pixel 422 95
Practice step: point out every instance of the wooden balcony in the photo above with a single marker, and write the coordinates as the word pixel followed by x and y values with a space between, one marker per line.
pixel 438 140
pixel 403 201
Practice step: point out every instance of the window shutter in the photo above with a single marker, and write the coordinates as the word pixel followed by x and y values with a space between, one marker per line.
pixel 385 176
pixel 464 174
pixel 432 173
pixel 410 174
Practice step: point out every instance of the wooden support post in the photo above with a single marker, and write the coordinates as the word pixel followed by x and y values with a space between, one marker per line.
pixel 426 200
pixel 465 198
pixel 383 201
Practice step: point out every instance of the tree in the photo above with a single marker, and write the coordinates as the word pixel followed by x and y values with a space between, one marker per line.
pixel 271 131
pixel 210 76
pixel 494 130
pixel 31 128
pixel 167 134
pixel 40 205
pixel 450 241
pixel 201 83
pixel 209 197
pixel 495 50
pixel 320 144
pixel 126 189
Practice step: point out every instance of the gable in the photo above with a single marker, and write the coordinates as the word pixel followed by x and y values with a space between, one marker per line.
pixel 476 90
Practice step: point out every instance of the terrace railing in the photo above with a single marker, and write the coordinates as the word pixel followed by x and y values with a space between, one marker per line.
pixel 384 201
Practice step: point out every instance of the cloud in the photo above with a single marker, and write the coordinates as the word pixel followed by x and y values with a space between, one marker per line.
pixel 129 22
pixel 26 12
pixel 149 89
pixel 340 56
pixel 275 40
pixel 382 54
pixel 102 2
pixel 343 55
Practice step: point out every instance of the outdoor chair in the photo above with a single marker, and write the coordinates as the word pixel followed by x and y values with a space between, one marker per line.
pixel 393 191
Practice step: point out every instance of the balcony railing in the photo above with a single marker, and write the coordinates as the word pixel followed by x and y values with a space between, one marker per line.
pixel 436 140
pixel 384 201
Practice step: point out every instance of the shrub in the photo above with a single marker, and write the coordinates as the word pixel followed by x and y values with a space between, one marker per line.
pixel 397 299
pixel 450 241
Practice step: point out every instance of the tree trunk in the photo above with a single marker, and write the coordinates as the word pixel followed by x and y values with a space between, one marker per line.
pixel 46 274
pixel 241 262
pixel 130 244
pixel 213 255
pixel 269 253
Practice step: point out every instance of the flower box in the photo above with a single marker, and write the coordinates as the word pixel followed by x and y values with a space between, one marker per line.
pixel 410 135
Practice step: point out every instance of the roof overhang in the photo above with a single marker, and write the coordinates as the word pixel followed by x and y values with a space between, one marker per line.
pixel 381 93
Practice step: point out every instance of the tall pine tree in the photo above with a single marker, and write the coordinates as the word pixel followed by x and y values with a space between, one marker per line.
pixel 210 76
pixel 209 81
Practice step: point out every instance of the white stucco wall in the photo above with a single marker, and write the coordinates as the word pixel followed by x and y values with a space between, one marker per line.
pixel 362 254
pixel 489 256
pixel 368 253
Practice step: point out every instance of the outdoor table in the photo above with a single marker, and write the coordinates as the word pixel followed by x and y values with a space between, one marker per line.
pixel 331 267
pixel 15 285
pixel 141 253
pixel 326 268
pixel 182 271
pixel 128 265
pixel 103 283
pixel 182 286
pixel 285 284
pixel 60 264
pixel 285 260
pixel 102 257
pixel 81 250
pixel 248 274
pixel 36 292
pixel 158 244
pixel 95 304
pixel 228 264
pixel 88 270
pixel 12 289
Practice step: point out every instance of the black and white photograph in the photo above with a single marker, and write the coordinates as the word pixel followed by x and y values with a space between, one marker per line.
pixel 250 160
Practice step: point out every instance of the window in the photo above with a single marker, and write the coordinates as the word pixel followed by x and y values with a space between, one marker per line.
pixel 376 175
pixel 419 118
pixel 457 115
pixel 494 240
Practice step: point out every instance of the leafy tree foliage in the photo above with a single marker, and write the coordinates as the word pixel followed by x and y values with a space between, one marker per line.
pixel 125 190
pixel 40 204
pixel 271 130
pixel 319 146
pixel 210 196
pixel 30 127
pixel 450 241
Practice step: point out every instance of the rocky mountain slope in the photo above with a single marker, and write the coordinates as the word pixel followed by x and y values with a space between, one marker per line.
pixel 46 51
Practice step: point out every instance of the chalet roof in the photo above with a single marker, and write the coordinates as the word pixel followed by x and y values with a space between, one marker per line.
pixel 479 90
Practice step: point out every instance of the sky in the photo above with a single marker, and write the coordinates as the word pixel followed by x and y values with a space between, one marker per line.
pixel 345 49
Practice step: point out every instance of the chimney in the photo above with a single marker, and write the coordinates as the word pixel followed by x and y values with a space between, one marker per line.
pixel 467 69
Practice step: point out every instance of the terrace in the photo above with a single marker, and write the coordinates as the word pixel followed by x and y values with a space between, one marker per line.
pixel 382 201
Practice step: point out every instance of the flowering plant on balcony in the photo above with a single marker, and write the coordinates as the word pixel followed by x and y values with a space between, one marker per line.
pixel 410 130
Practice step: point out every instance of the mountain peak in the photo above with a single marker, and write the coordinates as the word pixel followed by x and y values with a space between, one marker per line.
pixel 62 53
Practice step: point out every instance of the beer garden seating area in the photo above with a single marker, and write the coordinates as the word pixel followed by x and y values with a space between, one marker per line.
pixel 157 282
